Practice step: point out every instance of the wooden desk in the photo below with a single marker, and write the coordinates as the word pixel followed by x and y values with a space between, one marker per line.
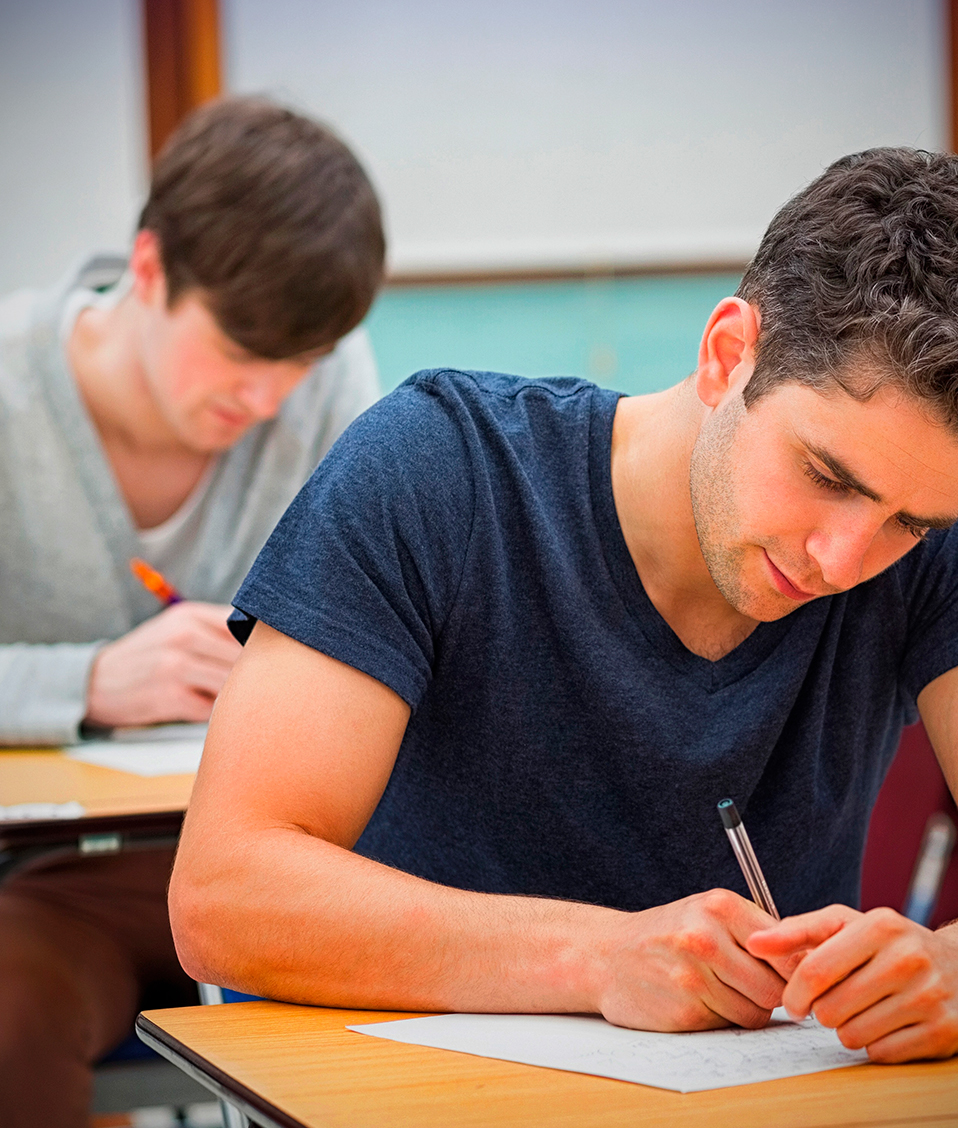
pixel 122 810
pixel 298 1067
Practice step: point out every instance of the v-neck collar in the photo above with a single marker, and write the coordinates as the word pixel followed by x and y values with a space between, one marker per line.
pixel 711 676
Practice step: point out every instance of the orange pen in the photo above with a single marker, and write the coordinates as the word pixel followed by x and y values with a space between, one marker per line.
pixel 155 582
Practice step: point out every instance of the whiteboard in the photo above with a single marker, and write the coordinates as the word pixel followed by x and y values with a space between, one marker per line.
pixel 530 134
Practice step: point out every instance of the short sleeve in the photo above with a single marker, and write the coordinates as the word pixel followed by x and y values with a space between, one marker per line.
pixel 929 576
pixel 365 564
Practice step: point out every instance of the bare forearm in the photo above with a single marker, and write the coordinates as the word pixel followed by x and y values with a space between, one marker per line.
pixel 311 922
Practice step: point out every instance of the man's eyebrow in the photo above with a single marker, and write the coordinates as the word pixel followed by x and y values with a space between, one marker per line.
pixel 841 473
pixel 848 478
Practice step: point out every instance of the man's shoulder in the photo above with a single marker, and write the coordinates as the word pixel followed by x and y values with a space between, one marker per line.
pixel 445 433
pixel 497 403
pixel 485 386
pixel 95 272
pixel 480 404
pixel 25 312
pixel 20 314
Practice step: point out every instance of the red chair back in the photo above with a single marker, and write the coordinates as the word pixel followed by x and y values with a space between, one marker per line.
pixel 913 790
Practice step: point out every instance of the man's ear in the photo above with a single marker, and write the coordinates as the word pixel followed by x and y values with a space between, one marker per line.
pixel 727 351
pixel 146 266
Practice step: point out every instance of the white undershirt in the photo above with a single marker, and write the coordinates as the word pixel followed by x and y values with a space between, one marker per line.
pixel 171 537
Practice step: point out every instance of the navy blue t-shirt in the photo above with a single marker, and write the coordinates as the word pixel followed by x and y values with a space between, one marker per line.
pixel 460 544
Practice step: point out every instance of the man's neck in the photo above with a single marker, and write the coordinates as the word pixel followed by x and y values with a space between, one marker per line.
pixel 652 441
pixel 154 470
pixel 103 353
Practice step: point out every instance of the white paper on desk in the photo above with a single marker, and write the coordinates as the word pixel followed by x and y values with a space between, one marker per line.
pixel 710 1059
pixel 31 812
pixel 162 750
pixel 150 734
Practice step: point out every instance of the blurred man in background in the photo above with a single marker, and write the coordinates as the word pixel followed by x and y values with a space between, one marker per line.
pixel 169 414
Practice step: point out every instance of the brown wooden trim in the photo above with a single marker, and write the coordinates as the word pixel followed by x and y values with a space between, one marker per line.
pixel 182 42
pixel 560 274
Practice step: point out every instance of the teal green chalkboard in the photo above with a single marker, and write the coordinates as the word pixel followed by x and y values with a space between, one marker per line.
pixel 632 334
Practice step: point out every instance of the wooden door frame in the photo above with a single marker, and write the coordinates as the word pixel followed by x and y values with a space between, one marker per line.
pixel 183 61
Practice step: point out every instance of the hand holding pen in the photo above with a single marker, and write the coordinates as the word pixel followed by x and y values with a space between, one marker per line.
pixel 169 668
pixel 882 981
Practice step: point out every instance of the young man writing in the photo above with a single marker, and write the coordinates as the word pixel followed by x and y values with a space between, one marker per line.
pixel 517 638
pixel 171 418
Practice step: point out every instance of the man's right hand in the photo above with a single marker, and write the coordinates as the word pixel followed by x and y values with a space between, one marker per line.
pixel 683 966
pixel 169 668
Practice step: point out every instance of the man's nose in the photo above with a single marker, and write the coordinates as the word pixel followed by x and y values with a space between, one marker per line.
pixel 840 550
pixel 261 396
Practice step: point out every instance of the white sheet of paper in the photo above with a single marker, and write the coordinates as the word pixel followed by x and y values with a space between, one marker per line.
pixel 163 750
pixel 150 734
pixel 21 812
pixel 710 1059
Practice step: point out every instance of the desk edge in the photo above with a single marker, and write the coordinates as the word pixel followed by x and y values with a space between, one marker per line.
pixel 250 1103
pixel 29 832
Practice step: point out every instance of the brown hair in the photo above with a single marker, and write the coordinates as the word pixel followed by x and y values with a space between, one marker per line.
pixel 271 218
pixel 856 281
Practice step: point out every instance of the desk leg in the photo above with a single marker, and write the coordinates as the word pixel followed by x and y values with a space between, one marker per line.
pixel 232 1117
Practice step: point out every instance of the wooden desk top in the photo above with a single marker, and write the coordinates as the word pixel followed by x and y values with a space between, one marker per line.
pixel 299 1066
pixel 49 777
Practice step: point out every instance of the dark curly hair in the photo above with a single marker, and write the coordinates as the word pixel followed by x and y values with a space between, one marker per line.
pixel 856 281
pixel 271 218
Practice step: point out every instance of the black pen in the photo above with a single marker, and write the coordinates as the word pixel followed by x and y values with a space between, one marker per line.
pixel 738 836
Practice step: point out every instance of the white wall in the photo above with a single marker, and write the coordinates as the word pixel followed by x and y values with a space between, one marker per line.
pixel 510 133
pixel 502 133
pixel 72 133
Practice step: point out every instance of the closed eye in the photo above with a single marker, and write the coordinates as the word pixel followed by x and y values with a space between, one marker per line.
pixel 919 532
pixel 823 480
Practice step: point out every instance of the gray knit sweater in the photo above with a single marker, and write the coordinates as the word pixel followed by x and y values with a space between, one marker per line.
pixel 66 535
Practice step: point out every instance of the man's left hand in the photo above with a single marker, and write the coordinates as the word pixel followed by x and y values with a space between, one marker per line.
pixel 883 982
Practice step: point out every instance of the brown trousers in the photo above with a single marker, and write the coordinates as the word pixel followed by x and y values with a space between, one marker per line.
pixel 84 944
